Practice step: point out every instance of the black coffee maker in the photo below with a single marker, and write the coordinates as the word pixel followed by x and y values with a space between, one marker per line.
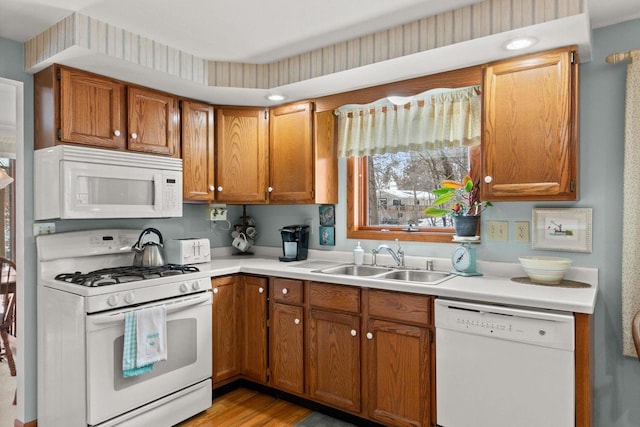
pixel 295 242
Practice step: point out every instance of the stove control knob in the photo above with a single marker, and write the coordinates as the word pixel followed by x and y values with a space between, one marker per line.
pixel 130 298
pixel 183 287
pixel 195 286
pixel 113 300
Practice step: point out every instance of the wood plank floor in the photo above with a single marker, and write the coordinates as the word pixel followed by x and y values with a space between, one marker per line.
pixel 246 408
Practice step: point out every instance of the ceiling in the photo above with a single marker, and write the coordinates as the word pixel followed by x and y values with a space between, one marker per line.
pixel 258 31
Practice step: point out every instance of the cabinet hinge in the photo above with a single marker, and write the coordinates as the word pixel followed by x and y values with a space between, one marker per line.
pixel 58 133
pixel 313 194
pixel 572 186
pixel 573 57
pixel 180 104
pixel 58 75
pixel 266 114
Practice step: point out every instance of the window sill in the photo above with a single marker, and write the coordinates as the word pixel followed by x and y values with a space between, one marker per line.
pixel 444 236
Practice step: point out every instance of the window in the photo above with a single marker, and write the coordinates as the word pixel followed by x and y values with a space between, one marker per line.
pixel 406 179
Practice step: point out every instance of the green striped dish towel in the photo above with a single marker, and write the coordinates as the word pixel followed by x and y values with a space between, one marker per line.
pixel 129 353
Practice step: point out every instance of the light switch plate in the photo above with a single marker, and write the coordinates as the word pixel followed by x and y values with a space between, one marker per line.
pixel 498 231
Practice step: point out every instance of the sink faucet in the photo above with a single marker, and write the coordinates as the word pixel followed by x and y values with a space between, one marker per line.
pixel 398 255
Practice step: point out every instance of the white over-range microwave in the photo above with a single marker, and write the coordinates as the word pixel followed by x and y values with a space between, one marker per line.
pixel 73 182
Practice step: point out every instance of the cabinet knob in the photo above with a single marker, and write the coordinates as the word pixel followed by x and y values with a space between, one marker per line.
pixel 285 291
pixel 215 290
pixel 220 188
pixel 212 188
pixel 134 136
pixel 260 289
pixel 369 336
pixel 270 189
pixel 488 179
pixel 116 132
pixel 354 333
pixel 296 321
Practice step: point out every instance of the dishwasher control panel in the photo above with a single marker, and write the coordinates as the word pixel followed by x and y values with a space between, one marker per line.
pixel 539 327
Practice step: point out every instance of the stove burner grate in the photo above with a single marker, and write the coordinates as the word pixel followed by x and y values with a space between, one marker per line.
pixel 115 275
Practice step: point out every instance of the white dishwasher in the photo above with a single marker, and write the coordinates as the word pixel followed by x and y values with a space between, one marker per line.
pixel 501 366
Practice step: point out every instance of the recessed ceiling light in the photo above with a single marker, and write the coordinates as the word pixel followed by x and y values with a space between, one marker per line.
pixel 275 97
pixel 520 43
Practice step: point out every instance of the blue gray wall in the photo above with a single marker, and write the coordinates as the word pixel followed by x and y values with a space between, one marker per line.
pixel 602 94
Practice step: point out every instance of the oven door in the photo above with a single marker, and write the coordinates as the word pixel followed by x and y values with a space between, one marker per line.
pixel 188 359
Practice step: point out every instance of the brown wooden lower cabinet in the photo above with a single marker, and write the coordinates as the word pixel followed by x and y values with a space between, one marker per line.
pixel 334 359
pixel 254 343
pixel 399 366
pixel 225 329
pixel 287 347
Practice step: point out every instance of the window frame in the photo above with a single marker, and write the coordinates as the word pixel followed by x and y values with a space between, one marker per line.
pixel 358 209
pixel 453 79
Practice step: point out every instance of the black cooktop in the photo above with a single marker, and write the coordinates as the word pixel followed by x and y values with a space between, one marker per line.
pixel 115 275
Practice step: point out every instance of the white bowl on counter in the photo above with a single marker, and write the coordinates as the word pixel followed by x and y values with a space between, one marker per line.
pixel 547 270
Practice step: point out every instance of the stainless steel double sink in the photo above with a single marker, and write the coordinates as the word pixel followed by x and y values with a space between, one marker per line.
pixel 403 274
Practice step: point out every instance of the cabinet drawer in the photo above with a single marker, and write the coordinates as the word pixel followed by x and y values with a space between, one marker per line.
pixel 287 290
pixel 334 297
pixel 402 307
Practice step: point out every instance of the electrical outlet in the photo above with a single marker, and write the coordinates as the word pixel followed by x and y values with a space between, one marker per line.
pixel 522 231
pixel 217 212
pixel 498 231
pixel 44 228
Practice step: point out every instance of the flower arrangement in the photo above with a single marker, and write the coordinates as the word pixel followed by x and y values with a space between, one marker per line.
pixel 456 198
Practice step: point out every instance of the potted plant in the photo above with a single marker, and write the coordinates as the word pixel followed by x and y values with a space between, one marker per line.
pixel 458 199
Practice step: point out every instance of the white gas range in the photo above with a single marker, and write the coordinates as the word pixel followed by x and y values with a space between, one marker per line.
pixel 86 285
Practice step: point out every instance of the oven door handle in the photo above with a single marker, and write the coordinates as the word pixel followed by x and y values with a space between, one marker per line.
pixel 172 307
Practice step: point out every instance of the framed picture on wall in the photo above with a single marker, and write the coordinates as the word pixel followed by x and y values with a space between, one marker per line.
pixel 327 236
pixel 327 215
pixel 562 229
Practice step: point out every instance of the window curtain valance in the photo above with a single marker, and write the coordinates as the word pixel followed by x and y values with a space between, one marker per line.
pixel 429 121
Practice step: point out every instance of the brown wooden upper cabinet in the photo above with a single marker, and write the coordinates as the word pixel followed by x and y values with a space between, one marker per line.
pixel 242 150
pixel 154 122
pixel 73 106
pixel 77 107
pixel 197 151
pixel 284 155
pixel 530 149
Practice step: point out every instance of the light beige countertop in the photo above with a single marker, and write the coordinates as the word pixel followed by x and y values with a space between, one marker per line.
pixel 494 286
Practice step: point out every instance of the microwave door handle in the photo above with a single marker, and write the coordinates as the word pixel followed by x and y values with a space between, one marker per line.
pixel 157 199
pixel 118 317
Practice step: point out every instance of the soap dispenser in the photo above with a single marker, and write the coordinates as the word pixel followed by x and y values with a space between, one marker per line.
pixel 358 255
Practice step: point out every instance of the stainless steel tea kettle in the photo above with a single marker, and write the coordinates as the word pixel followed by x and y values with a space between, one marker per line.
pixel 149 254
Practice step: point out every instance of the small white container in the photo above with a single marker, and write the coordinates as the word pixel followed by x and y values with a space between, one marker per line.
pixel 358 255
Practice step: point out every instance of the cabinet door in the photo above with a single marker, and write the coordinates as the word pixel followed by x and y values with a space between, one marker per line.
pixel 241 155
pixel 291 154
pixel 254 348
pixel 92 110
pixel 334 359
pixel 153 122
pixel 197 151
pixel 286 341
pixel 226 329
pixel 399 382
pixel 530 128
